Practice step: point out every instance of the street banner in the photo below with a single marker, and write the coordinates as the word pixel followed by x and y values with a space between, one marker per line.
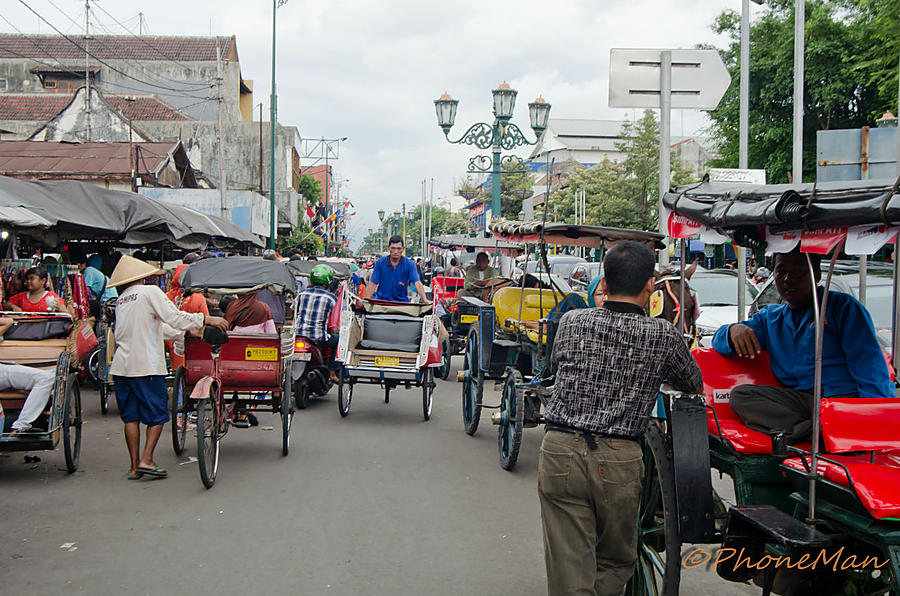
pixel 866 240
pixel 781 242
pixel 821 241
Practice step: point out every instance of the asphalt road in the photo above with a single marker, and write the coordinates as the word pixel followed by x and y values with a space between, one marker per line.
pixel 378 503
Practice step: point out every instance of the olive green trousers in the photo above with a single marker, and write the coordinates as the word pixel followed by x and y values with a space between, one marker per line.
pixel 589 512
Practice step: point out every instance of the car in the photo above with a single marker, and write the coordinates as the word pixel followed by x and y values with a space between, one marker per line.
pixel 716 291
pixel 583 273
pixel 561 265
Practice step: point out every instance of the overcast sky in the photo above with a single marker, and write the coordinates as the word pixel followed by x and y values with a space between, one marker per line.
pixel 370 70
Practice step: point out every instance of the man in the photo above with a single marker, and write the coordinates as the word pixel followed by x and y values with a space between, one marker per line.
pixel 38 383
pixel 394 274
pixel 144 316
pixel 609 364
pixel 475 276
pixel 315 305
pixel 853 364
pixel 96 282
pixel 275 303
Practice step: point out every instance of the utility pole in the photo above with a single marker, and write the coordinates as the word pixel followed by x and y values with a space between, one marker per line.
pixel 430 210
pixel 799 67
pixel 87 71
pixel 260 150
pixel 140 23
pixel 223 184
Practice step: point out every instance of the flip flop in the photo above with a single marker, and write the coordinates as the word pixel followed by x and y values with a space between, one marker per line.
pixel 156 472
pixel 138 477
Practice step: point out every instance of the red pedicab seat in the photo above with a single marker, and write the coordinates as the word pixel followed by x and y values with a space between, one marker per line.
pixel 444 288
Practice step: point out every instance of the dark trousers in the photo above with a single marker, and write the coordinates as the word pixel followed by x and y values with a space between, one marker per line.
pixel 775 409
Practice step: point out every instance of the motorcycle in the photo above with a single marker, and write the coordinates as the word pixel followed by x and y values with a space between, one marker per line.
pixel 310 375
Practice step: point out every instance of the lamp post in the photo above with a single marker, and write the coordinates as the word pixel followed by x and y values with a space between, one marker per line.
pixel 404 228
pixel 273 216
pixel 381 232
pixel 501 135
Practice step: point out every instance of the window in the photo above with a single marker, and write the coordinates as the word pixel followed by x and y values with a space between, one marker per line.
pixel 49 84
pixel 2 84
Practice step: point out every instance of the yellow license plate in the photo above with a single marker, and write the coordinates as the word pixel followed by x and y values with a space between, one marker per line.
pixel 268 354
pixel 387 361
pixel 468 318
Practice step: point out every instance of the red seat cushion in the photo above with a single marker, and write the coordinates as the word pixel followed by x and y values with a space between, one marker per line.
pixel 875 483
pixel 860 424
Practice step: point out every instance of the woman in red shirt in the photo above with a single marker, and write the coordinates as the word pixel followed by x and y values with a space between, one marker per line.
pixel 37 298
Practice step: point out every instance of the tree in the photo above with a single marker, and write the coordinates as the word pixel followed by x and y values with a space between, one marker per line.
pixel 850 78
pixel 442 222
pixel 514 188
pixel 310 189
pixel 301 237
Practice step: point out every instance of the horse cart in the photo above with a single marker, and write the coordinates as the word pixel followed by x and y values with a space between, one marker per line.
pixel 817 517
pixel 388 344
pixel 512 339
pixel 62 415
pixel 229 375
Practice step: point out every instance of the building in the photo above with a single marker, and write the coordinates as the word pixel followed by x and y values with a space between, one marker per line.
pixel 580 140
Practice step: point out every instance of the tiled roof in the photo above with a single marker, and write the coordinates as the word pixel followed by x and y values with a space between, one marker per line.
pixel 117 47
pixel 40 107
pixel 37 158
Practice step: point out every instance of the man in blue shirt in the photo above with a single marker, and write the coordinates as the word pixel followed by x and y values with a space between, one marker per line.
pixel 393 275
pixel 853 364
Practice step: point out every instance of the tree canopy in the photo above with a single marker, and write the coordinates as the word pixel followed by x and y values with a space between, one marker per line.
pixel 442 222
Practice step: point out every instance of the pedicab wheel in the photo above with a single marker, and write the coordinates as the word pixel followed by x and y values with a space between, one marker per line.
pixel 103 390
pixel 512 419
pixel 387 392
pixel 345 395
pixel 444 371
pixel 93 368
pixel 473 385
pixel 658 568
pixel 208 424
pixel 427 393
pixel 179 409
pixel 287 415
pixel 72 424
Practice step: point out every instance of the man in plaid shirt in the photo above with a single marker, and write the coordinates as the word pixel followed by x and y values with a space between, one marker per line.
pixel 609 364
pixel 315 305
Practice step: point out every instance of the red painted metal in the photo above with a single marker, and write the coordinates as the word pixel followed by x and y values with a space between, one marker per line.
pixel 236 371
pixel 861 424
pixel 446 288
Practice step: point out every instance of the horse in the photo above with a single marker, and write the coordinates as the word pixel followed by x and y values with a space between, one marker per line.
pixel 665 302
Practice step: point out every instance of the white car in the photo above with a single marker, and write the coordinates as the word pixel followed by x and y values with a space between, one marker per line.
pixel 716 291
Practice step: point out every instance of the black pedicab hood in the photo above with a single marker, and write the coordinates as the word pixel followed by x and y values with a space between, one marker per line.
pixel 238 275
pixel 563 234
pixel 303 268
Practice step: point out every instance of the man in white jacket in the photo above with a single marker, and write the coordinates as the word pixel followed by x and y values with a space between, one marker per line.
pixel 144 318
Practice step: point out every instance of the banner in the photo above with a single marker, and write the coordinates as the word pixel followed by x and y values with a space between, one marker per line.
pixel 781 242
pixel 866 240
pixel 821 241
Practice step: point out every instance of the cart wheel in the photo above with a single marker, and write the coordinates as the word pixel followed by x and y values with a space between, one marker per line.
pixel 72 424
pixel 179 409
pixel 103 390
pixel 345 395
pixel 473 385
pixel 444 371
pixel 93 368
pixel 208 424
pixel 287 415
pixel 387 392
pixel 427 393
pixel 512 417
pixel 301 394
pixel 658 569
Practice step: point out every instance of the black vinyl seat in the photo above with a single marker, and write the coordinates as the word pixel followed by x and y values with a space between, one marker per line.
pixel 395 333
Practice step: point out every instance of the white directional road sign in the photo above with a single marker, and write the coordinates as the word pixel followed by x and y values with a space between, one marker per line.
pixel 699 78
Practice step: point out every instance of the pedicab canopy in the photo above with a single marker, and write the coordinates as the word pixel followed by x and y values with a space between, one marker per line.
pixel 303 268
pixel 469 244
pixel 777 217
pixel 238 275
pixel 564 234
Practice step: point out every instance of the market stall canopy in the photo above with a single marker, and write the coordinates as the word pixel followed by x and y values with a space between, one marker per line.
pixel 238 275
pixel 564 234
pixel 302 268
pixel 469 244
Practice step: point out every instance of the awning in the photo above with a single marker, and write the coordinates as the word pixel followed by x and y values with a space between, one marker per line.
pixel 238 275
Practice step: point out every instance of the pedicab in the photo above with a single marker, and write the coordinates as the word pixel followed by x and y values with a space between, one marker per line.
pixel 512 339
pixel 100 359
pixel 459 315
pixel 226 375
pixel 819 517
pixel 62 414
pixel 388 344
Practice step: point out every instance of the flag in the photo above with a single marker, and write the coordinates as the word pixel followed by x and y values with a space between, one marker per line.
pixel 352 214
pixel 309 212
pixel 331 217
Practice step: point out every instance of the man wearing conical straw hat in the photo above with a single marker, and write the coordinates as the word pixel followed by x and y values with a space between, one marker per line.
pixel 144 318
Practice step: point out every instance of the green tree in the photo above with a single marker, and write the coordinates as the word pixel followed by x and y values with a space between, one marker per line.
pixel 850 78
pixel 301 237
pixel 310 189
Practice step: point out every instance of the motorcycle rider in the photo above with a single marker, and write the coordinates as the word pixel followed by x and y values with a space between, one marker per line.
pixel 315 306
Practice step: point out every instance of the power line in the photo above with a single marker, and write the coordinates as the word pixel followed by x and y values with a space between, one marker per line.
pixel 71 20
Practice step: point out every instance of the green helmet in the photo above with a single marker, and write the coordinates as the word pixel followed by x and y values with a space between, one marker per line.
pixel 321 275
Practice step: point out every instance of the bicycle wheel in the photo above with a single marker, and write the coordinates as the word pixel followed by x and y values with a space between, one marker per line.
pixel 208 425
pixel 72 424
pixel 345 394
pixel 427 393
pixel 287 415
pixel 512 417
pixel 473 385
pixel 179 409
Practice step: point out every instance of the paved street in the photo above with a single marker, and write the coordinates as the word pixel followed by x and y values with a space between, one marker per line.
pixel 377 503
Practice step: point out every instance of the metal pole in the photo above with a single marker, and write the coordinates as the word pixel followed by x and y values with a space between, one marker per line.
pixel 223 183
pixel 495 181
pixel 743 145
pixel 260 149
pixel 863 277
pixel 895 329
pixel 665 133
pixel 684 315
pixel 430 210
pixel 272 214
pixel 799 22
pixel 404 227
pixel 327 198
pixel 87 72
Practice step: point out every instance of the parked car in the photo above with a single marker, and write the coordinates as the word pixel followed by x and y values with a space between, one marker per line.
pixel 561 265
pixel 582 274
pixel 717 293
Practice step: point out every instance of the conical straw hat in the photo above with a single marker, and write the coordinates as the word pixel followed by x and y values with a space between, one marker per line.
pixel 130 269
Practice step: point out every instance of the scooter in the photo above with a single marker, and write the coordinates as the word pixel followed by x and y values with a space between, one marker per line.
pixel 310 374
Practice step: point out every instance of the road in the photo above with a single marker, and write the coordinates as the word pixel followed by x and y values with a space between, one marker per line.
pixel 378 503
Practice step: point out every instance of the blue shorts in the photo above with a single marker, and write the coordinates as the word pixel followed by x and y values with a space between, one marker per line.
pixel 142 399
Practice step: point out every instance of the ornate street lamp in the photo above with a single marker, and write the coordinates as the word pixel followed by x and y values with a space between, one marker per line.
pixel 501 135
pixel 381 232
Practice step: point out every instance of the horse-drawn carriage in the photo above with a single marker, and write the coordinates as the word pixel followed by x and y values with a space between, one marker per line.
pixel 512 338
pixel 819 517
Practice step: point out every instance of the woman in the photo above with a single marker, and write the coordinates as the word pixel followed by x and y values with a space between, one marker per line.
pixel 596 295
pixel 36 298
pixel 247 314
pixel 453 270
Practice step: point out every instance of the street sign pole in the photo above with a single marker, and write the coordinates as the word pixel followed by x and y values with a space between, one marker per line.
pixel 665 134
pixel 743 143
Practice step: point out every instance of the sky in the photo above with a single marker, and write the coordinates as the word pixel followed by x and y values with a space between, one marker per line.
pixel 371 70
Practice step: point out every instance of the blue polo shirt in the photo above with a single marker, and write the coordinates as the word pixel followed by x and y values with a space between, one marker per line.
pixel 394 282
pixel 852 358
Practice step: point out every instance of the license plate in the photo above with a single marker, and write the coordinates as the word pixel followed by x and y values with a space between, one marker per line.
pixel 387 361
pixel 267 354
pixel 468 318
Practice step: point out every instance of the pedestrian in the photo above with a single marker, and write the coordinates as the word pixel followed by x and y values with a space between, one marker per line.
pixel 144 317
pixel 454 270
pixel 609 364
pixel 393 275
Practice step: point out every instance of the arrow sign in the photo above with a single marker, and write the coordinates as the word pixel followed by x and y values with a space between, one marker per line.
pixel 699 78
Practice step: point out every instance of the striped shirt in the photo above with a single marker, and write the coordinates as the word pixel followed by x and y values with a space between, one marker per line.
pixel 314 309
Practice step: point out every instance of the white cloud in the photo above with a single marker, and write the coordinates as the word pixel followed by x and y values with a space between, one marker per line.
pixel 370 70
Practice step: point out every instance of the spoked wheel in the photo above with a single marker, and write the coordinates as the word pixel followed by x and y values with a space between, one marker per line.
pixel 658 569
pixel 512 418
pixel 93 368
pixel 179 409
pixel 473 385
pixel 71 424
pixel 444 371
pixel 287 415
pixel 208 429
pixel 345 394
pixel 387 392
pixel 427 392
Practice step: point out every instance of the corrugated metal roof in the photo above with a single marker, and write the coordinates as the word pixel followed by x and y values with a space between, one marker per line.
pixel 118 47
pixel 40 107
pixel 39 158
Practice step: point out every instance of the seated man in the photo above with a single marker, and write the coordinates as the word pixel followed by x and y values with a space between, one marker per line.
pixel 314 306
pixel 38 383
pixel 477 275
pixel 853 363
